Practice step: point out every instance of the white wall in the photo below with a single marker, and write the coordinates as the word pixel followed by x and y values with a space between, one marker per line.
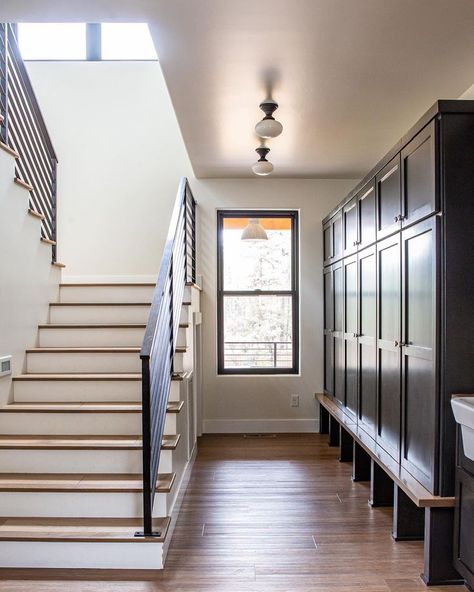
pixel 28 281
pixel 121 155
pixel 235 403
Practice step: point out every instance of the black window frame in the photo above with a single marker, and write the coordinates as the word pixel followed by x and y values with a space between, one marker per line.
pixel 294 292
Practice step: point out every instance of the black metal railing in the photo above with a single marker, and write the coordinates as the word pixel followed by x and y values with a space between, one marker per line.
pixel 178 267
pixel 23 129
pixel 258 354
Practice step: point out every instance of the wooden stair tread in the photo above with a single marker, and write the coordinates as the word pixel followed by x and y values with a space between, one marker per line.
pixel 36 214
pixel 80 529
pixel 9 150
pixel 100 376
pixel 80 442
pixel 93 326
pixel 24 184
pixel 81 483
pixel 106 407
pixel 47 241
pixel 58 264
pixel 81 350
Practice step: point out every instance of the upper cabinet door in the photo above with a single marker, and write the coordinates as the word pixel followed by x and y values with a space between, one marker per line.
pixel 419 185
pixel 337 235
pixel 388 199
pixel 327 243
pixel 350 223
pixel 367 219
pixel 420 247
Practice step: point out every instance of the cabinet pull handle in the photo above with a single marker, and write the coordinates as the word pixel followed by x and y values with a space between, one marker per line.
pixel 355 335
pixel 401 217
pixel 397 218
pixel 402 344
pixel 396 343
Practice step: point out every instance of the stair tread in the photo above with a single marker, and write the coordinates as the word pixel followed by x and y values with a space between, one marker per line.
pixel 81 483
pixel 99 407
pixel 80 529
pixel 100 304
pixel 90 376
pixel 93 326
pixel 82 350
pixel 89 442
pixel 106 284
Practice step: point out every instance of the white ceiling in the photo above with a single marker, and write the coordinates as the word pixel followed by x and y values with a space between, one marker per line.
pixel 351 76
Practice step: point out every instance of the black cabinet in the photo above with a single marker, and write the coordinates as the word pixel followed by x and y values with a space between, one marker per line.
pixel 328 331
pixel 420 287
pixel 388 344
pixel 389 201
pixel 333 239
pixel 367 218
pixel 404 296
pixel 351 333
pixel 367 271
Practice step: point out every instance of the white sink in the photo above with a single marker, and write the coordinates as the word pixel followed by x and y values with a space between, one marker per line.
pixel 463 409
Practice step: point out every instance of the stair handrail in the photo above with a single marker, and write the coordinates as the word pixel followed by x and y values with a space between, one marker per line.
pixel 23 129
pixel 177 269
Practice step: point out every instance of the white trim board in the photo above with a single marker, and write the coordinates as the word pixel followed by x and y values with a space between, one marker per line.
pixel 259 426
pixel 109 279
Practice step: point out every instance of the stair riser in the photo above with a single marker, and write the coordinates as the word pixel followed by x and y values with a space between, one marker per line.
pixel 100 337
pixel 99 424
pixel 47 504
pixel 83 391
pixel 135 555
pixel 78 461
pixel 99 314
pixel 106 294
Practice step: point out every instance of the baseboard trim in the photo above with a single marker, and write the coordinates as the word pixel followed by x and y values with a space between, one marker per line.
pixel 109 279
pixel 259 426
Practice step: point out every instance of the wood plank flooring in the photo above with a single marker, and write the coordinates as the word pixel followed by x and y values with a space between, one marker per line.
pixel 270 514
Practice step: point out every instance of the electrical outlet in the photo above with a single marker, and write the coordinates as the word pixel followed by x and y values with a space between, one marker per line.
pixel 5 365
pixel 295 400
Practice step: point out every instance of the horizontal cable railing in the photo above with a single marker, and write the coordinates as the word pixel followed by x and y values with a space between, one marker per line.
pixel 178 267
pixel 258 354
pixel 23 129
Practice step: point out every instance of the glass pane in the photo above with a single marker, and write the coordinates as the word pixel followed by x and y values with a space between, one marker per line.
pixel 257 263
pixel 52 41
pixel 127 41
pixel 257 332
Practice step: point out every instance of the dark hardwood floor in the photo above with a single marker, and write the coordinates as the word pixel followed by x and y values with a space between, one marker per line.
pixel 271 514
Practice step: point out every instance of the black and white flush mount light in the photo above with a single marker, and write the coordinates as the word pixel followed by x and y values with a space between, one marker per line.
pixel 262 167
pixel 266 129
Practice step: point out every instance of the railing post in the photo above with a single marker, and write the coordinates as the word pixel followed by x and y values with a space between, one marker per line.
pixel 4 81
pixel 193 240
pixel 146 444
pixel 54 191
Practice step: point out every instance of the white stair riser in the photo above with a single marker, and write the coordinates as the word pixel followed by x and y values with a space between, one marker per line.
pixel 97 337
pixel 87 555
pixel 100 337
pixel 99 424
pixel 78 461
pixel 87 362
pixel 83 391
pixel 73 504
pixel 99 314
pixel 99 293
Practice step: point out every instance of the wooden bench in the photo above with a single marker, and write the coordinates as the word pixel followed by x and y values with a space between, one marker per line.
pixel 417 513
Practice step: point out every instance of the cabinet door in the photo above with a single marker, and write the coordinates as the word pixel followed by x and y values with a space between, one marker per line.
pixel 337 236
pixel 351 329
pixel 388 199
pixel 367 261
pixel 350 223
pixel 327 243
pixel 367 219
pixel 338 333
pixel 388 341
pixel 419 186
pixel 419 351
pixel 328 331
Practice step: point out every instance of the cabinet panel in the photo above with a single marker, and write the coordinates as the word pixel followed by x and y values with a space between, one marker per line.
pixel 419 191
pixel 328 299
pixel 367 415
pixel 419 350
pixel 351 333
pixel 339 373
pixel 337 236
pixel 329 364
pixel 388 350
pixel 350 223
pixel 327 243
pixel 463 547
pixel 388 199
pixel 367 218
pixel 328 331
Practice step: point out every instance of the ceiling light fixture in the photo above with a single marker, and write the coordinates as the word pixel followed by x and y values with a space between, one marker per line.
pixel 262 166
pixel 254 231
pixel 269 127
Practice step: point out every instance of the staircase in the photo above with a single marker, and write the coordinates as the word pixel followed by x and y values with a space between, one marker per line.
pixel 71 487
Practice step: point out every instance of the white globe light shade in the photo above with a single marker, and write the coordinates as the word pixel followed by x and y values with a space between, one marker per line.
pixel 262 167
pixel 254 231
pixel 268 128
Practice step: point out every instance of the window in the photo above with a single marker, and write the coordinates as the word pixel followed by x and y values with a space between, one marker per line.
pixel 257 296
pixel 81 41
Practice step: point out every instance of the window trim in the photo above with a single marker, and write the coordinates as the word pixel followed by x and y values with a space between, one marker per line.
pixel 294 292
